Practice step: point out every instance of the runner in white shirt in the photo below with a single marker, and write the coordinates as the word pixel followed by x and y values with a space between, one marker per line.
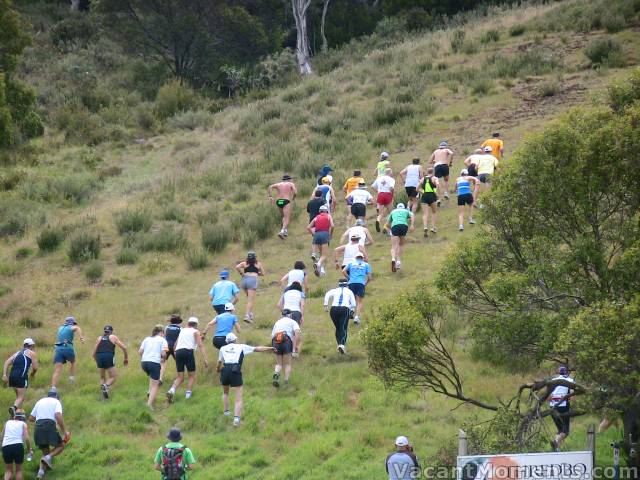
pixel 293 300
pixel 342 307
pixel 349 251
pixel 385 186
pixel 298 274
pixel 15 436
pixel 359 199
pixel 358 230
pixel 188 341
pixel 285 339
pixel 153 353
pixel 412 174
pixel 47 413
pixel 230 361
pixel 559 401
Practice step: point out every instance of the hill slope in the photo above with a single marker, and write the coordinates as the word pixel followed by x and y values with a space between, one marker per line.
pixel 335 419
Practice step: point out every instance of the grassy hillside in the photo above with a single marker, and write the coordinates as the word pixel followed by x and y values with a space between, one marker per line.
pixel 173 209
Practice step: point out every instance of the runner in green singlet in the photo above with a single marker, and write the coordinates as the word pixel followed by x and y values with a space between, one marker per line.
pixel 400 221
pixel 428 188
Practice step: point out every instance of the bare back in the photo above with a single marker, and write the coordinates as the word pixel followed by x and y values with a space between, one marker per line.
pixel 285 190
pixel 442 156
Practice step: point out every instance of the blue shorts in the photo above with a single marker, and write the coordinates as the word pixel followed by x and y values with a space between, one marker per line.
pixel 219 308
pixel 105 360
pixel 64 355
pixel 152 369
pixel 321 238
pixel 357 289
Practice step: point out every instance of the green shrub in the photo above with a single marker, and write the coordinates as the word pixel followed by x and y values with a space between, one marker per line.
pixel 517 30
pixel 173 98
pixel 279 156
pixel 549 88
pixel 83 247
pixel 10 179
pixel 470 47
pixel 73 188
pixel 50 239
pixel 134 220
pixel 23 252
pixel 388 114
pixel 215 237
pixel 489 36
pixel 526 63
pixel 603 50
pixel 145 116
pixel 5 290
pixel 167 239
pixel 481 86
pixel 74 31
pixel 457 40
pixel 127 256
pixel 264 223
pixel 249 239
pixel 625 93
pixel 13 221
pixel 174 213
pixel 613 22
pixel 93 271
pixel 197 258
pixel 190 120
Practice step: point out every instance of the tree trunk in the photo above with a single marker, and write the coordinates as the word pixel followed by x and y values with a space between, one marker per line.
pixel 325 8
pixel 302 42
pixel 75 5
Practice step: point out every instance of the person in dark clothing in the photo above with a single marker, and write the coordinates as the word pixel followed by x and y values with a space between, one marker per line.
pixel 104 354
pixel 171 333
pixel 18 377
pixel 313 207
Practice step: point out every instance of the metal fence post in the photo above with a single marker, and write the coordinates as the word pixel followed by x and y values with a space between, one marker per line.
pixel 591 442
pixel 462 443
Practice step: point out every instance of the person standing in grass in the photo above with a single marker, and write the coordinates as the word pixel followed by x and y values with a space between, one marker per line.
pixel 250 270
pixel 385 186
pixel 411 175
pixel 171 333
pixel 343 304
pixel 224 324
pixel 429 200
pixel 18 377
pixel 359 274
pixel 229 367
pixel 400 221
pixel 174 460
pixel 442 159
pixel 222 292
pixel 104 353
pixel 15 436
pixel 402 464
pixel 464 190
pixel 496 144
pixel 188 341
pixel 286 336
pixel 47 413
pixel 153 355
pixel 321 229
pixel 285 193
pixel 297 274
pixel 64 351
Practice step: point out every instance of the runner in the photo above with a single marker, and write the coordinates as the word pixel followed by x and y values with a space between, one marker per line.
pixel 313 206
pixel 15 436
pixel 47 413
pixel 188 341
pixel 382 165
pixel 174 459
pixel 486 167
pixel 411 175
pixel 18 377
pixel 465 197
pixel 349 252
pixel 358 230
pixel 321 229
pixel 442 159
pixel 224 324
pixel 293 300
pixel 496 144
pixel 250 270
pixel 298 274
pixel 385 186
pixel 327 193
pixel 349 186
pixel 359 199
pixel 171 333
pixel 104 353
pixel 64 351
pixel 471 164
pixel 358 274
pixel 325 171
pixel 285 193
pixel 153 356
pixel 342 308
pixel 229 367
pixel 402 464
pixel 559 401
pixel 429 200
pixel 285 340
pixel 222 292
pixel 400 221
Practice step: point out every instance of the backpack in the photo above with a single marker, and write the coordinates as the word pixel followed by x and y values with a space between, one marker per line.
pixel 172 463
pixel 281 337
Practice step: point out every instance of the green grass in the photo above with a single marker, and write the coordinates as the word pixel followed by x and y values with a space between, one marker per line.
pixel 205 188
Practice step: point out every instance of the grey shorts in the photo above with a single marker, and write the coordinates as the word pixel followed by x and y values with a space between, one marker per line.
pixel 249 283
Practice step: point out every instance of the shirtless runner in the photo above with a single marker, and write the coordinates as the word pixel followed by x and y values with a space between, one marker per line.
pixel 442 159
pixel 285 193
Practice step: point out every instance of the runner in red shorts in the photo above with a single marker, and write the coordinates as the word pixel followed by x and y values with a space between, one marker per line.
pixel 384 185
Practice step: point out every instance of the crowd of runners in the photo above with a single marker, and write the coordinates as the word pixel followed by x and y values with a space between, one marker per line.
pixel 180 339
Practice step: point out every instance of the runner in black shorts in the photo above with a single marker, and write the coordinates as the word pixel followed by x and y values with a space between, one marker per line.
pixel 429 200
pixel 441 171
pixel 171 333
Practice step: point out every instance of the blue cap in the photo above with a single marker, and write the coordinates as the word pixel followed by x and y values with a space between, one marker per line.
pixel 70 321
pixel 224 274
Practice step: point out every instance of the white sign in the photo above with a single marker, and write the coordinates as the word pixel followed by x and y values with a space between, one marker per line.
pixel 526 466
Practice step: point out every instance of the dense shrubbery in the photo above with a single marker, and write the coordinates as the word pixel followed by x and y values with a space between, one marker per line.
pixel 84 246
pixel 50 238
pixel 605 51
pixel 134 220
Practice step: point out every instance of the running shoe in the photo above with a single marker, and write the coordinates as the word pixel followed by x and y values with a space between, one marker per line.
pixel 342 349
pixel 286 232
pixel 314 257
pixel 393 266
pixel 160 382
pixel 188 394
pixel 72 379
pixel 276 380
pixel 281 234
pixel 236 421
pixel 433 230
pixel 377 225
pixel 227 413
pixel 12 411
pixel 316 271
pixel 170 395
pixel 446 195
pixel 248 318
pixel 398 264
pixel 472 221
pixel 40 473
pixel 105 390
pixel 425 233
pixel 554 446
pixel 322 272
pixel 461 227
pixel 356 320
pixel 47 461
pixel 481 206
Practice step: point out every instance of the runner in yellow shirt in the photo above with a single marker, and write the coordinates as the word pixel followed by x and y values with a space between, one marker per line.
pixel 496 144
pixel 349 186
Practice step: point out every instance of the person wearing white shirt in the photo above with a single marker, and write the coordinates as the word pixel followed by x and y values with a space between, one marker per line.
pixel 285 339
pixel 411 175
pixel 385 186
pixel 153 353
pixel 15 436
pixel 47 413
pixel 358 230
pixel 559 401
pixel 188 341
pixel 298 274
pixel 230 361
pixel 359 199
pixel 293 300
pixel 343 304
pixel 349 252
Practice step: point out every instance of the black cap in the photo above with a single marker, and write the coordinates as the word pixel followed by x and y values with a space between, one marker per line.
pixel 286 312
pixel 175 435
pixel 53 393
pixel 108 329
pixel 343 281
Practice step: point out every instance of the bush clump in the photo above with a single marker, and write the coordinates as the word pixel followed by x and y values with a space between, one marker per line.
pixel 190 120
pixel 197 258
pixel 517 30
pixel 173 98
pixel 93 271
pixel 127 256
pixel 605 50
pixel 215 237
pixel 132 221
pixel 84 246
pixel 167 239
pixel 490 36
pixel 50 239
pixel 13 222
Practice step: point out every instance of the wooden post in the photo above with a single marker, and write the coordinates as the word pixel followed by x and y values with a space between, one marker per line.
pixel 591 442
pixel 462 443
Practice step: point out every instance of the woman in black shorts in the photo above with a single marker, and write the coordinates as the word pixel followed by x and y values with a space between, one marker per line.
pixel 15 435
pixel 465 186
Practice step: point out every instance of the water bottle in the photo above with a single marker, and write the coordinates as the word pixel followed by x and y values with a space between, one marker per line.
pixel 30 456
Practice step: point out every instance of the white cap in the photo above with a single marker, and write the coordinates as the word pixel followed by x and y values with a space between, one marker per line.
pixel 359 255
pixel 384 155
pixel 324 208
pixel 193 320
pixel 229 307
pixel 402 441
pixel 29 341
pixel 360 222
pixel 231 337
pixel 488 149
pixel 400 205
pixel 464 172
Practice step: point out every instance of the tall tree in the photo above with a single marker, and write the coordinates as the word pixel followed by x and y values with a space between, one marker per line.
pixel 325 9
pixel 303 52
